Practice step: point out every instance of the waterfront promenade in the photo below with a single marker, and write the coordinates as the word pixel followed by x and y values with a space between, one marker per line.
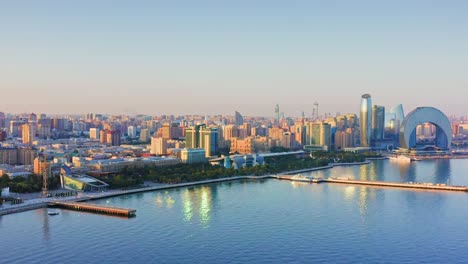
pixel 31 204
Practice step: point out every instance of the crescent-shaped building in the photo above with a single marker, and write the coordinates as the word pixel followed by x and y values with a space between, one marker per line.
pixel 423 115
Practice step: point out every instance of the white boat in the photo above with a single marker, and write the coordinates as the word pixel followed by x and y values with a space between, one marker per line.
pixel 53 212
pixel 300 178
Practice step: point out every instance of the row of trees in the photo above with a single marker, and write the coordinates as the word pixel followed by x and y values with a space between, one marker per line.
pixel 33 183
pixel 131 177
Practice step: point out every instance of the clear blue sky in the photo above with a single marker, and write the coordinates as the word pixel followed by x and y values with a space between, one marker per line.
pixel 212 57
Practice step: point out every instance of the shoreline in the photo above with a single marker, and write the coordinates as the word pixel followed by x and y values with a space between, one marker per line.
pixel 42 202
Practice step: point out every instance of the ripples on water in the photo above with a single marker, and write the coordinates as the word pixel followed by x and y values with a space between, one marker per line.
pixel 266 221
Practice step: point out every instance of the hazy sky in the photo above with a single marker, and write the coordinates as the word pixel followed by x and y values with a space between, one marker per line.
pixel 215 57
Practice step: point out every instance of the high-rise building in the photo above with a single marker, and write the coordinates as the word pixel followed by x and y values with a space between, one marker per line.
pixel 158 146
pixel 113 137
pixel 2 120
pixel 318 134
pixel 200 136
pixel 325 135
pixel 365 120
pixel 131 132
pixel 29 133
pixel 399 114
pixel 103 136
pixel 378 122
pixel 313 133
pixel 239 120
pixel 94 133
pixel 277 114
pixel 229 132
pixel 300 134
pixel 344 139
pixel 3 135
pixel 144 134
pixel 15 127
pixel 166 131
pixel 287 140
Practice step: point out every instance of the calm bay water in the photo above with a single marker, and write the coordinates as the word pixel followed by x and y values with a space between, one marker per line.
pixel 264 221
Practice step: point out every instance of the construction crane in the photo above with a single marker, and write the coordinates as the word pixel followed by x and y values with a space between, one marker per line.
pixel 45 175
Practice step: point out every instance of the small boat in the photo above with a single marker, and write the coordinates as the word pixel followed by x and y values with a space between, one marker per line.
pixel 53 212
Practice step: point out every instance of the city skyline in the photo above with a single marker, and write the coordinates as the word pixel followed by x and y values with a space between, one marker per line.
pixel 216 58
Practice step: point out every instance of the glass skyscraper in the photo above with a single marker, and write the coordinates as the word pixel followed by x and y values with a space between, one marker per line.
pixel 378 122
pixel 365 119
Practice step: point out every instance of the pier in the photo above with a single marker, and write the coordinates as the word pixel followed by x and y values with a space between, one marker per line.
pixel 415 185
pixel 95 208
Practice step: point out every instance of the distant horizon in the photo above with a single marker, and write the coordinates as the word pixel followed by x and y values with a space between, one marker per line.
pixel 307 115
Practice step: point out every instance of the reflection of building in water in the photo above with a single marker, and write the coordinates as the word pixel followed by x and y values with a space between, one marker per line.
pixel 407 171
pixel 164 200
pixel 365 197
pixel 198 201
pixel 442 171
pixel 45 223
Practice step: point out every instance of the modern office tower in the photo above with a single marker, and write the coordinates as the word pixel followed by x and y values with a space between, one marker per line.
pixel 144 134
pixel 94 133
pixel 365 120
pixel 325 135
pixel 192 139
pixel 399 116
pixel 300 134
pixel 131 132
pixel 209 140
pixel 158 146
pixel 239 120
pixel 318 134
pixel 390 131
pixel 313 133
pixel 29 133
pixel 103 136
pixel 378 122
pixel 200 136
pixel 229 132
pixel 113 137
pixel 277 114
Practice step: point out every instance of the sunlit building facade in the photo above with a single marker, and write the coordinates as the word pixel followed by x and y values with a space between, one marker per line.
pixel 365 119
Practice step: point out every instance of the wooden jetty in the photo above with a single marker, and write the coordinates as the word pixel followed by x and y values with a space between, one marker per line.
pixel 95 208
